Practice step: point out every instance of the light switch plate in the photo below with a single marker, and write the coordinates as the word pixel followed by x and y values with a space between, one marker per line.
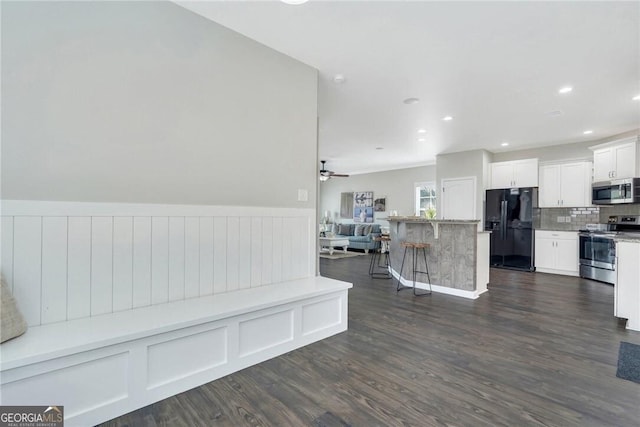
pixel 303 195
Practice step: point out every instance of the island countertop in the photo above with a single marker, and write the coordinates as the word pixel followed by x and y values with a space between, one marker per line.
pixel 429 221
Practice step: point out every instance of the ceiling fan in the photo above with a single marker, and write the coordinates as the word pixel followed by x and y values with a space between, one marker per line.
pixel 326 174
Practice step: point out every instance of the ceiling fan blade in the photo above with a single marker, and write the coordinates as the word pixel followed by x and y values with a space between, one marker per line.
pixel 340 175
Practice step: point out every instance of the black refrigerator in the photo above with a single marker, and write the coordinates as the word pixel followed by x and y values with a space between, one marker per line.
pixel 509 217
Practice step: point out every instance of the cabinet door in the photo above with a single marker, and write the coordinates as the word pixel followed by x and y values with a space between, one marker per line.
pixel 567 254
pixel 575 185
pixel 549 191
pixel 545 252
pixel 502 175
pixel 602 164
pixel 625 160
pixel 525 173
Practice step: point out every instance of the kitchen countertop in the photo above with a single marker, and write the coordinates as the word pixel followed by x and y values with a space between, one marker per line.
pixel 627 237
pixel 426 220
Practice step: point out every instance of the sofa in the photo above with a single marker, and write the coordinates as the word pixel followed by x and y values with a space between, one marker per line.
pixel 360 236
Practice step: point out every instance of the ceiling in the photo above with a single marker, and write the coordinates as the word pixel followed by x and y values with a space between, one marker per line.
pixel 495 67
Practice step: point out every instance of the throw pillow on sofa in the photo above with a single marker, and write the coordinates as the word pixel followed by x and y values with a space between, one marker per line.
pixel 344 229
pixel 359 230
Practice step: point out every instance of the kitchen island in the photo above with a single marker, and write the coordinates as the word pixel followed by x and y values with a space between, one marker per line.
pixel 458 254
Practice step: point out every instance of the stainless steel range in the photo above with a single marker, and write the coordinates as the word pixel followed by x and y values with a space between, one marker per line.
pixel 598 247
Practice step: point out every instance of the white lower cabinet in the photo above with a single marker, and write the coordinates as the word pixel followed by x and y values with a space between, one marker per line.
pixel 627 288
pixel 557 252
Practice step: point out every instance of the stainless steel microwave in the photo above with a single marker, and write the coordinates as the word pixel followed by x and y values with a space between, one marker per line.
pixel 616 191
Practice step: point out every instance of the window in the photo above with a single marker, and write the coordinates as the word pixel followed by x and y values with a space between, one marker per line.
pixel 425 198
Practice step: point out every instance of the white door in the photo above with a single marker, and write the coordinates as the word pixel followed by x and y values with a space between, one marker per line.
pixel 459 198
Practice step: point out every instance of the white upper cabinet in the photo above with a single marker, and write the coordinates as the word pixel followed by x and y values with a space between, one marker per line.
pixel 565 185
pixel 616 160
pixel 517 173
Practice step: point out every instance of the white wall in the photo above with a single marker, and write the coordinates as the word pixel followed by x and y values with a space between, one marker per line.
pixel 147 102
pixel 396 185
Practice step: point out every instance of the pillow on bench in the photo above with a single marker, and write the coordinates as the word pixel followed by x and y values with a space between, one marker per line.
pixel 12 324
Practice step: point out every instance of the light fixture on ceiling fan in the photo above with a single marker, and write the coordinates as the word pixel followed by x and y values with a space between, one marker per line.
pixel 326 174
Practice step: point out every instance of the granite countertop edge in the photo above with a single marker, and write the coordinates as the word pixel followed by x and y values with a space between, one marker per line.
pixel 428 221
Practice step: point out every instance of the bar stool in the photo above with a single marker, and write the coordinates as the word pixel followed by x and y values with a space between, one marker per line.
pixel 378 257
pixel 415 247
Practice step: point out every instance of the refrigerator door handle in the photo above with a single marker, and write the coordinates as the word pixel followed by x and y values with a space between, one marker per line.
pixel 503 219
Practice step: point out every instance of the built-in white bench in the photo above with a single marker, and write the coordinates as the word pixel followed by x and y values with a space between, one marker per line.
pixel 104 366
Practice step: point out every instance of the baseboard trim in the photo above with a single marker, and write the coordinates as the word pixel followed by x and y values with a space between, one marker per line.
pixel 441 289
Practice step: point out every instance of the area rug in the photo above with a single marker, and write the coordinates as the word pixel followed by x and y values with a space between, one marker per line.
pixel 330 420
pixel 629 362
pixel 340 255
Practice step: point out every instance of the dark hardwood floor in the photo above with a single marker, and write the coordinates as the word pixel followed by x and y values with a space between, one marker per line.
pixel 537 349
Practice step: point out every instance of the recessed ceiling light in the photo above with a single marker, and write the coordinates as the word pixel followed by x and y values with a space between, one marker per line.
pixel 422 131
pixel 294 1
pixel 565 89
pixel 636 98
pixel 447 118
pixel 421 140
pixel 505 144
pixel 338 78
pixel 411 101
pixel 587 132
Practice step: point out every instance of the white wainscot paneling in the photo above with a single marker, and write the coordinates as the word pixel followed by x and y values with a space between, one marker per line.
pixel 159 260
pixel 54 269
pixel 122 263
pixel 141 261
pixel 6 248
pixel 206 256
pixel 67 260
pixel 27 267
pixel 191 257
pixel 321 315
pixel 168 361
pixel 266 331
pixel 101 265
pixel 177 246
pixel 79 279
pixel 103 380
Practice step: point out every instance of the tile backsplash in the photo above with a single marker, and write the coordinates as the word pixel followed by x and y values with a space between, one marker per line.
pixel 605 211
pixel 566 219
